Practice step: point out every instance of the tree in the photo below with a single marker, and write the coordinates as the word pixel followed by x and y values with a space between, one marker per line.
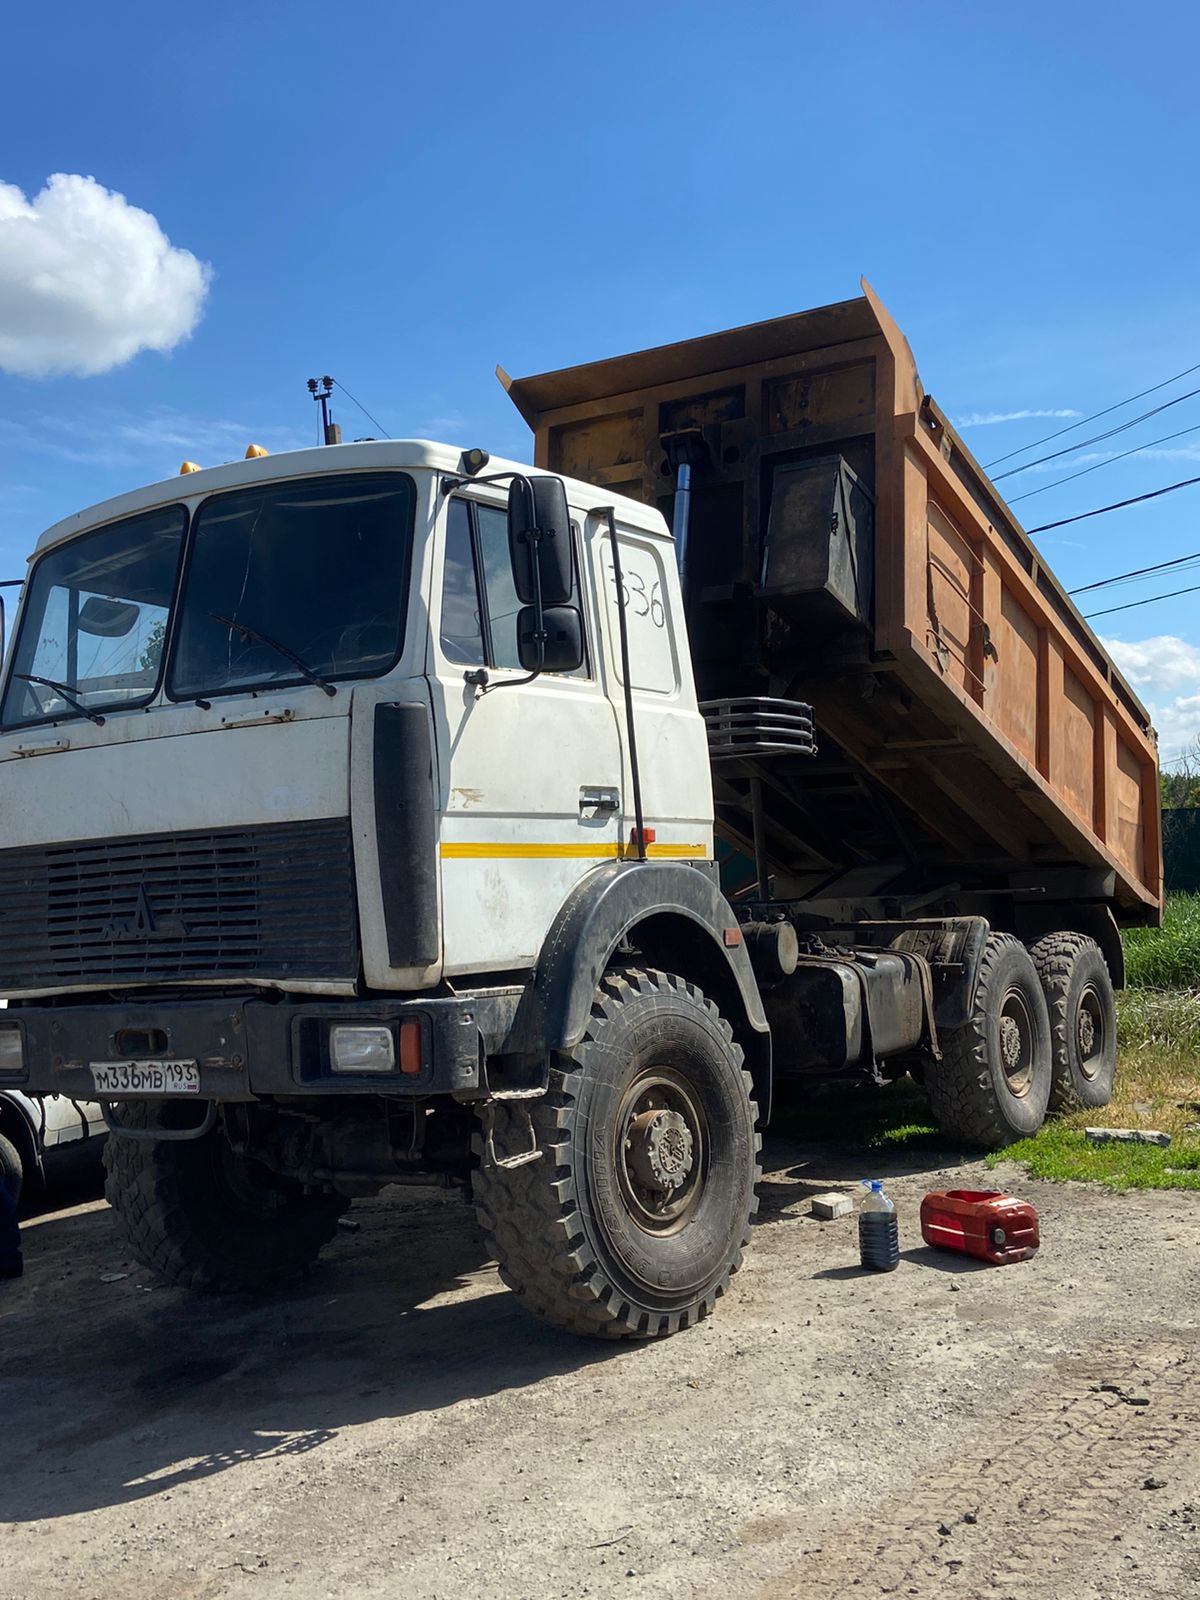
pixel 154 644
pixel 1179 784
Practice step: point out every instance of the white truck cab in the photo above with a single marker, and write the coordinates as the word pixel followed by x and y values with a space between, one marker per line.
pixel 322 828
pixel 394 591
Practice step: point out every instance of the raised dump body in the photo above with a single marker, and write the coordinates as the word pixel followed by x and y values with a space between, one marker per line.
pixel 977 748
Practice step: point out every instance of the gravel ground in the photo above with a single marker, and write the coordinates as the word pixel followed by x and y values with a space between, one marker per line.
pixel 397 1426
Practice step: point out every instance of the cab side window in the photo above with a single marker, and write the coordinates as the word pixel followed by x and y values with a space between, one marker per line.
pixel 479 602
pixel 462 620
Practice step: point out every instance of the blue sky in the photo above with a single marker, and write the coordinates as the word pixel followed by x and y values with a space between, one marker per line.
pixel 404 198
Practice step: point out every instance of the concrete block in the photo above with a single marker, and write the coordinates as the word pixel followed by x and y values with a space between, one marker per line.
pixel 1128 1136
pixel 831 1205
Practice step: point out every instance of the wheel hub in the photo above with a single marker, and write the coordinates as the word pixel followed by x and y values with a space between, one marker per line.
pixel 1010 1043
pixel 1016 1042
pixel 1087 1033
pixel 660 1150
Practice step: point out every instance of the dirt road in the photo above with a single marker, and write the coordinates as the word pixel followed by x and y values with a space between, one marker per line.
pixel 396 1426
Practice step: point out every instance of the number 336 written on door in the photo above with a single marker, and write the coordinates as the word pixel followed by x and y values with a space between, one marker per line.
pixel 640 598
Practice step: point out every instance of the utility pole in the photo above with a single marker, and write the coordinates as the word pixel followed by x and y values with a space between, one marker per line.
pixel 321 390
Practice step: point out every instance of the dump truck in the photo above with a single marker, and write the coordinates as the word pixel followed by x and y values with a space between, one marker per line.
pixel 389 812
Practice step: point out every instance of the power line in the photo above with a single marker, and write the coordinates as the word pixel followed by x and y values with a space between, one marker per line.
pixel 1117 505
pixel 1138 572
pixel 1149 601
pixel 1137 449
pixel 1083 421
pixel 1098 438
pixel 374 420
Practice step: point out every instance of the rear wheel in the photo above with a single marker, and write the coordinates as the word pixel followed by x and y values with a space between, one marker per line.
pixel 635 1216
pixel 200 1216
pixel 992 1084
pixel 1083 1019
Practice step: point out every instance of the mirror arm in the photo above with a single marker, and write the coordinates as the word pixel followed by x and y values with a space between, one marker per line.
pixel 534 535
pixel 450 481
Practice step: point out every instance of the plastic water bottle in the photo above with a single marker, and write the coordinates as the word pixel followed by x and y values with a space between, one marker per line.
pixel 878 1232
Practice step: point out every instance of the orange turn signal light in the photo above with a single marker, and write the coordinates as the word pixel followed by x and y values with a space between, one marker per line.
pixel 189 466
pixel 253 451
pixel 410 1048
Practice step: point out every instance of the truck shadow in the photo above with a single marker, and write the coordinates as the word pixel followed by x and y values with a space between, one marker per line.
pixel 833 1137
pixel 118 1390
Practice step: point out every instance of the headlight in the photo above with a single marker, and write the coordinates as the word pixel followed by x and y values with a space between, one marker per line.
pixel 12 1051
pixel 361 1049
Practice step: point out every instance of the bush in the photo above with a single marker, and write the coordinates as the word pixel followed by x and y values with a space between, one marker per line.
pixel 1166 957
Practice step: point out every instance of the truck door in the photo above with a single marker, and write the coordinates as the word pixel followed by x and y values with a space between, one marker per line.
pixel 677 802
pixel 530 779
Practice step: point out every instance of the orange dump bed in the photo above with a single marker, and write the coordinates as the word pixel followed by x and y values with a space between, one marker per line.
pixel 846 549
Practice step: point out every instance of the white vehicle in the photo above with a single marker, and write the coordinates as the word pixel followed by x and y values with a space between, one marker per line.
pixel 358 823
pixel 36 1133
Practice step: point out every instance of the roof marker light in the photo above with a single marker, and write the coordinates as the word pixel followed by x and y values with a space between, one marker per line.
pixel 189 466
pixel 253 451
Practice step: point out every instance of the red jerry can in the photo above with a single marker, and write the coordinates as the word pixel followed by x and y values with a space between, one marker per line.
pixel 980 1222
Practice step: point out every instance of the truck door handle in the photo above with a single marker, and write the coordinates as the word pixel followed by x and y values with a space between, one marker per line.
pixel 597 799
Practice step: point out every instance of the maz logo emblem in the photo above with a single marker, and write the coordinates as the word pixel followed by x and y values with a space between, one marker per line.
pixel 144 924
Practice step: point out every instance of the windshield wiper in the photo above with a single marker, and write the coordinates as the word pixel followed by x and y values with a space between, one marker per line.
pixel 301 666
pixel 68 693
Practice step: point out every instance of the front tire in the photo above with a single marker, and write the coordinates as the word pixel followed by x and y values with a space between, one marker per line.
pixel 992 1085
pixel 201 1217
pixel 1083 1020
pixel 12 1170
pixel 633 1220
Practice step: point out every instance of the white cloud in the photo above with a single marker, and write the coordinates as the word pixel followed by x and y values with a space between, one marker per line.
pixel 87 281
pixel 987 419
pixel 1090 457
pixel 1166 672
pixel 1163 662
pixel 1178 726
pixel 149 444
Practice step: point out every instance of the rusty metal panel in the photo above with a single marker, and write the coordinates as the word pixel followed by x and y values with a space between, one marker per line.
pixel 971 722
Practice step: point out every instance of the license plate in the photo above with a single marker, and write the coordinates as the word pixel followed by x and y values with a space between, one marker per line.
pixel 146 1077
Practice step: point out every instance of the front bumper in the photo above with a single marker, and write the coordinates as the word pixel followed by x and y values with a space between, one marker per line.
pixel 254 1048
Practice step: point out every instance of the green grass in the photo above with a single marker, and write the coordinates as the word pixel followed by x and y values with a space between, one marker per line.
pixel 1061 1151
pixel 1158 1022
pixel 1155 1088
pixel 1166 957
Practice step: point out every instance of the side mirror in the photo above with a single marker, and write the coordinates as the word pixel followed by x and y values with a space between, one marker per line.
pixel 539 540
pixel 560 647
pixel 108 619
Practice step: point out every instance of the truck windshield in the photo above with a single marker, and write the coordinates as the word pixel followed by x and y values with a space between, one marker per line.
pixel 94 621
pixel 295 581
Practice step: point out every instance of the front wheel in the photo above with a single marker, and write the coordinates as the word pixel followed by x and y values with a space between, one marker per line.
pixel 12 1170
pixel 992 1085
pixel 635 1216
pixel 201 1216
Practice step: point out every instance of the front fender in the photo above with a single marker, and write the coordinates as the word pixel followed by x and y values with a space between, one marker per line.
pixel 678 917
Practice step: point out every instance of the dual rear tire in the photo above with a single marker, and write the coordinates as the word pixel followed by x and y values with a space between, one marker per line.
pixel 1041 1037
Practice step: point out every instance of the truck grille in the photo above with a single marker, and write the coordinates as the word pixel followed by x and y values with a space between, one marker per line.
pixel 274 902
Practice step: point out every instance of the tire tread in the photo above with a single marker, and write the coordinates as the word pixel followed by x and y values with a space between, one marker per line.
pixel 961 1092
pixel 535 1225
pixel 142 1186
